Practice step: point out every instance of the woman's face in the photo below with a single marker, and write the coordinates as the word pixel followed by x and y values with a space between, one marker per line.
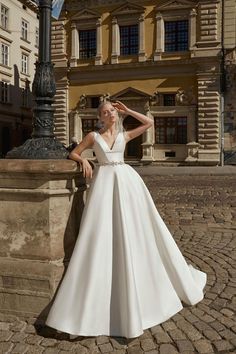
pixel 108 114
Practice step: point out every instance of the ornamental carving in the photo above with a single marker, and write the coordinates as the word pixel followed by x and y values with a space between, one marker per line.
pixel 44 82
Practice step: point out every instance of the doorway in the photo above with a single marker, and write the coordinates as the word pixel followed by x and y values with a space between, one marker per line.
pixel 133 150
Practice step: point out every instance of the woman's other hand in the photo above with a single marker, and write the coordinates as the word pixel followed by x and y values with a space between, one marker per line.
pixel 86 168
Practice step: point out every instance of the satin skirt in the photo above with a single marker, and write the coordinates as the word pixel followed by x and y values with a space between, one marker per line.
pixel 126 273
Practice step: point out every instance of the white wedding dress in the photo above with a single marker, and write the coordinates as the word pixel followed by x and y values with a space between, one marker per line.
pixel 126 273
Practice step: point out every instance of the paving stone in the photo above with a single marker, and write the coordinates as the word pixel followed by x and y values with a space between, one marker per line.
pixel 19 348
pixel 227 334
pixel 203 346
pixel 66 345
pixel 5 335
pixel 221 345
pixel 135 350
pixel 184 345
pixel 88 342
pixel 51 351
pixel 18 337
pixel 162 338
pixel 30 329
pixel 211 334
pixel 168 349
pixel 49 342
pixel 18 326
pixel 35 349
pixel 5 347
pixel 33 339
pixel 102 340
pixel 147 344
pixel 4 326
pixel 177 334
pixel 105 348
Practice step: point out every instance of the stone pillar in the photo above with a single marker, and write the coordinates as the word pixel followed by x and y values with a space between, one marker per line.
pixel 192 30
pixel 142 55
pixel 159 37
pixel 147 144
pixel 74 45
pixel 98 58
pixel 209 116
pixel 115 41
pixel 41 202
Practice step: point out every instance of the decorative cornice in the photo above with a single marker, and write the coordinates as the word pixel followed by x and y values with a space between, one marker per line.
pixel 85 14
pixel 175 5
pixel 128 9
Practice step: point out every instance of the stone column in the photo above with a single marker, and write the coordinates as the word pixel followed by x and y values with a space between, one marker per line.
pixel 142 55
pixel 41 203
pixel 159 37
pixel 208 115
pixel 192 30
pixel 98 58
pixel 147 144
pixel 115 41
pixel 74 45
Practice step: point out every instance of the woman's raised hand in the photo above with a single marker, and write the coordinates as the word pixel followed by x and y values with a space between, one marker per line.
pixel 120 107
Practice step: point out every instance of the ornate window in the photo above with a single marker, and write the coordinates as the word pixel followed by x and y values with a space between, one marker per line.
pixel 4 16
pixel 88 125
pixel 176 36
pixel 170 130
pixel 86 37
pixel 168 99
pixel 24 29
pixel 24 63
pixel 175 27
pixel 129 39
pixel 26 94
pixel 5 49
pixel 87 44
pixel 5 92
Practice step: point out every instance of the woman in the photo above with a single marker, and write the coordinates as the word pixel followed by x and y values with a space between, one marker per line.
pixel 126 273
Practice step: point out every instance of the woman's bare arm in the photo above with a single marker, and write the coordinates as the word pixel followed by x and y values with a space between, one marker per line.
pixel 146 121
pixel 75 154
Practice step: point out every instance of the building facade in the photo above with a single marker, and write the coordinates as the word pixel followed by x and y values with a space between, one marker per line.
pixel 162 58
pixel 19 40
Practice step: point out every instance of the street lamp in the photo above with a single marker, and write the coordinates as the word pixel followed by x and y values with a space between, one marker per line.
pixel 43 144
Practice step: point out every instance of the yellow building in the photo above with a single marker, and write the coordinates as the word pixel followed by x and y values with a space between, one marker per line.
pixel 19 35
pixel 162 58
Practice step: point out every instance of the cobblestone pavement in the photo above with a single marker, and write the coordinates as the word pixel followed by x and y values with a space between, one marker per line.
pixel 200 212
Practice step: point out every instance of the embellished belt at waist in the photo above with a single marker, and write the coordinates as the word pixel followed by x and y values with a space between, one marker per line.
pixel 111 163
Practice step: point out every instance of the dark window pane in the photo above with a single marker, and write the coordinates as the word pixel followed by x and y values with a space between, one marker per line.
pixel 88 125
pixel 87 44
pixel 129 40
pixel 171 130
pixel 176 36
pixel 169 99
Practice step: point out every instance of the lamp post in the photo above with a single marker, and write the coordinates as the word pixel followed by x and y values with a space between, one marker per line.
pixel 43 144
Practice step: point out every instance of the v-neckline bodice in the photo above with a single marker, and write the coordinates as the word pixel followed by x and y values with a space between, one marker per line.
pixel 114 143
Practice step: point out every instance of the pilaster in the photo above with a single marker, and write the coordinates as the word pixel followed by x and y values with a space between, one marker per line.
pixel 142 55
pixel 115 41
pixel 208 116
pixel 159 37
pixel 98 58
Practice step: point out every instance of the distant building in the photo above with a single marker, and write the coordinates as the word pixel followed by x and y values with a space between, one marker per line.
pixel 19 40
